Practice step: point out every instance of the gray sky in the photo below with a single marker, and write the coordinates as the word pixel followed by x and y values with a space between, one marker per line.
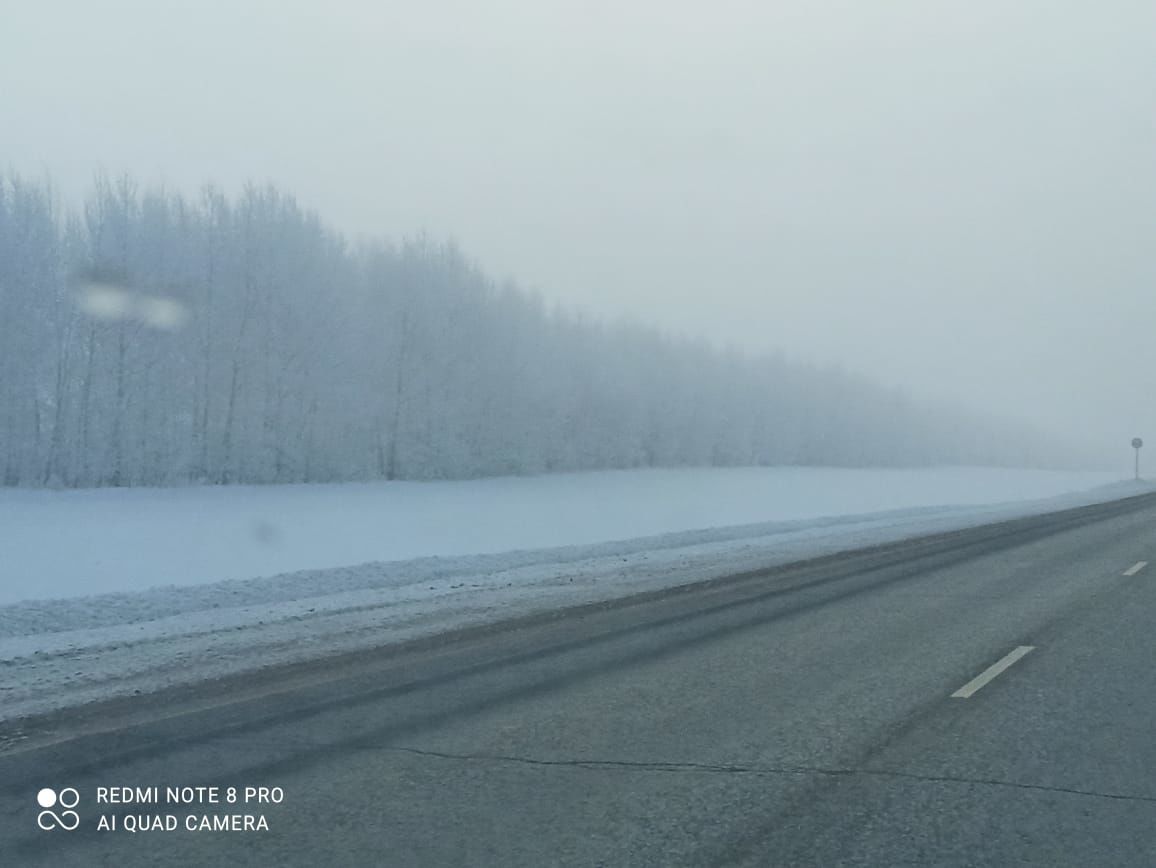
pixel 958 198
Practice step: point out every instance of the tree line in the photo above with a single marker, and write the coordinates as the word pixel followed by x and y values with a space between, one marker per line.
pixel 153 338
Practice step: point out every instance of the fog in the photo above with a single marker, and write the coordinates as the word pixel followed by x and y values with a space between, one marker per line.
pixel 955 199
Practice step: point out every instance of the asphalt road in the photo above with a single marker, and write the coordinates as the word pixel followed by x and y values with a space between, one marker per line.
pixel 838 712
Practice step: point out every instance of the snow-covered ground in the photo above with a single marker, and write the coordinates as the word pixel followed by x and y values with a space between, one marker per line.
pixel 74 543
pixel 114 591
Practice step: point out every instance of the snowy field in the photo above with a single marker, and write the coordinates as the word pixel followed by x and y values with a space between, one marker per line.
pixel 75 543
pixel 109 592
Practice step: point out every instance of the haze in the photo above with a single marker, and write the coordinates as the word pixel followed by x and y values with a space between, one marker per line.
pixel 953 198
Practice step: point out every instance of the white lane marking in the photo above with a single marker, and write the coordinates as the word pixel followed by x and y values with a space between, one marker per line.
pixel 991 672
pixel 1135 568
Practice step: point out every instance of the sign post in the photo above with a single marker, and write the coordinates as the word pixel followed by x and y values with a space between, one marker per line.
pixel 1136 444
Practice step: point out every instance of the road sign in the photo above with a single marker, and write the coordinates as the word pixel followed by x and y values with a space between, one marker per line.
pixel 1137 442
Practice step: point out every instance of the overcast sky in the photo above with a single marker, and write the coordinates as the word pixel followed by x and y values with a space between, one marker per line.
pixel 958 198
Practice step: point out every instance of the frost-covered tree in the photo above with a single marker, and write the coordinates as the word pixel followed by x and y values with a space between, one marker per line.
pixel 154 339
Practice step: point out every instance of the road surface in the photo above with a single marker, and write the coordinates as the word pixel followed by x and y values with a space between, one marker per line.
pixel 985 697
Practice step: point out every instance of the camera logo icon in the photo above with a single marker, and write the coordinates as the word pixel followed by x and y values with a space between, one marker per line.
pixel 66 818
